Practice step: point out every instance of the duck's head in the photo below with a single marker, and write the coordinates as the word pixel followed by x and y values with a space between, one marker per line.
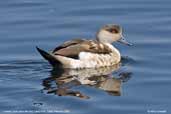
pixel 111 33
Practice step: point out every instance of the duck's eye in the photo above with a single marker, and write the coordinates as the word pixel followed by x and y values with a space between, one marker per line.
pixel 113 30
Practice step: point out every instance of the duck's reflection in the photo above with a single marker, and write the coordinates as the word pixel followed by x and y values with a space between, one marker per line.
pixel 63 81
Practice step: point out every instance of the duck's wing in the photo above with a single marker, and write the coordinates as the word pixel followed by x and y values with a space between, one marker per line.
pixel 74 47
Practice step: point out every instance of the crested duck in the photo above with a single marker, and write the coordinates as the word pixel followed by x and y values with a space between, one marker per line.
pixel 82 53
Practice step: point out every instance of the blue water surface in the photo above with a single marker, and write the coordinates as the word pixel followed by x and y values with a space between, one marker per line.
pixel 24 75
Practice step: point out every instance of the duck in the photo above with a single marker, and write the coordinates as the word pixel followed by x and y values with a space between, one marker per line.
pixel 85 53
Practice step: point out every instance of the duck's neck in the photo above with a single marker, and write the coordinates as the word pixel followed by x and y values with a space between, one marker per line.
pixel 110 46
pixel 108 42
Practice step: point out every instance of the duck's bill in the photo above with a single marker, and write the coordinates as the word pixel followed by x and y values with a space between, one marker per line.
pixel 123 41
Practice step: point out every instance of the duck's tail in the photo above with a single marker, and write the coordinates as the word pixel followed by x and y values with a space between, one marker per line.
pixel 57 60
pixel 50 57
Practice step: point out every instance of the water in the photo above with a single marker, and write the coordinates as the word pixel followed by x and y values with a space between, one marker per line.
pixel 140 85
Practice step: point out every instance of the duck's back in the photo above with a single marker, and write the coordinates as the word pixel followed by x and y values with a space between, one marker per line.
pixel 74 47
